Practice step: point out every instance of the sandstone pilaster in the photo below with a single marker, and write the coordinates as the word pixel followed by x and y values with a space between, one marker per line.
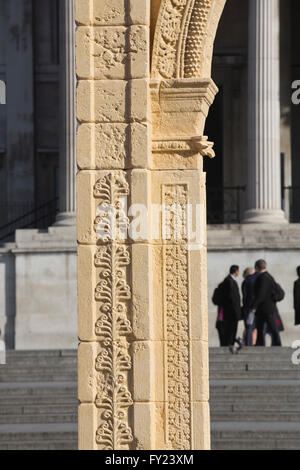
pixel 143 357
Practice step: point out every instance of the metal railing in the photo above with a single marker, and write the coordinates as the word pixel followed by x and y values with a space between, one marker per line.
pixel 225 205
pixel 40 217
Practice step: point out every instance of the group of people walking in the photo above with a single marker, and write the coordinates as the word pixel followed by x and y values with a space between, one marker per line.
pixel 258 308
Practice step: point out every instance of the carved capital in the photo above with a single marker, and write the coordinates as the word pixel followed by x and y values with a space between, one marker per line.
pixel 180 107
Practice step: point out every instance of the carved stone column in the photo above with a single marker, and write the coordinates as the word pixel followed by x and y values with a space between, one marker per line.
pixel 66 215
pixel 264 181
pixel 143 357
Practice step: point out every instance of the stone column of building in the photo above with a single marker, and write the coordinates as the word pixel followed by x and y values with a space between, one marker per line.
pixel 20 105
pixel 263 179
pixel 67 162
pixel 142 289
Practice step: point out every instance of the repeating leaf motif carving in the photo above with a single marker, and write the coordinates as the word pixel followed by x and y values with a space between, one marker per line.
pixel 177 330
pixel 111 220
pixel 113 362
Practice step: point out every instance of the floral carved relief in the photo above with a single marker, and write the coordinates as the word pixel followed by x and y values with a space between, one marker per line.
pixel 111 221
pixel 112 294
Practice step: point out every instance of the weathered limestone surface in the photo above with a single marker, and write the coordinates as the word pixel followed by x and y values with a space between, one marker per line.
pixel 143 357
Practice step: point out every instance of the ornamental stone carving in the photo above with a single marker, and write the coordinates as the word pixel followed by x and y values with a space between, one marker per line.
pixel 184 36
pixel 141 203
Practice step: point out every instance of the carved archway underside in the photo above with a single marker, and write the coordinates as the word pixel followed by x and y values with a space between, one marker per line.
pixel 184 37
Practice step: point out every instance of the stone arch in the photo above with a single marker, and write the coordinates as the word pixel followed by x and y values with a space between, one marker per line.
pixel 183 37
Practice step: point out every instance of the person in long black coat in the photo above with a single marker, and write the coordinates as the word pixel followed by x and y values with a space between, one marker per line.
pixel 297 298
pixel 231 306
pixel 264 305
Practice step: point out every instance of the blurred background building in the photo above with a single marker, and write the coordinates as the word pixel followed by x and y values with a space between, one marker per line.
pixel 244 181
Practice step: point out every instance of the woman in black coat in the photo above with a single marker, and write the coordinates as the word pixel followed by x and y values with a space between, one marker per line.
pixel 297 298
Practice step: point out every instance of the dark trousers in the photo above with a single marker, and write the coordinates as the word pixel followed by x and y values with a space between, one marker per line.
pixel 230 330
pixel 221 330
pixel 261 321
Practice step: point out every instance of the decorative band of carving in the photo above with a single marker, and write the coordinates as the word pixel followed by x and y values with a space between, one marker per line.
pixel 177 324
pixel 195 39
pixel 179 38
pixel 113 362
pixel 111 191
pixel 184 145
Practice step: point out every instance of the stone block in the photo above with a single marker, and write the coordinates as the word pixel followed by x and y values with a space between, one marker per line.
pixel 106 202
pixel 112 12
pixel 113 146
pixel 87 426
pixel 144 425
pixel 116 53
pixel 45 294
pixel 171 292
pixel 173 362
pixel 201 427
pixel 91 300
pixel 91 378
pixel 115 101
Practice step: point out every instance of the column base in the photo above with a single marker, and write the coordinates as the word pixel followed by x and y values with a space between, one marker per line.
pixel 262 216
pixel 64 219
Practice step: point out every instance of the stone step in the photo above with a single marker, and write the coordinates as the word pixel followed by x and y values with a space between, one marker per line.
pixel 39 418
pixel 60 445
pixel 256 430
pixel 49 362
pixel 252 399
pixel 236 358
pixel 256 374
pixel 263 352
pixel 55 377
pixel 46 432
pixel 51 445
pixel 42 353
pixel 39 409
pixel 246 416
pixel 38 401
pixel 255 406
pixel 247 365
pixel 45 389
pixel 21 401
pixel 254 444
pixel 37 369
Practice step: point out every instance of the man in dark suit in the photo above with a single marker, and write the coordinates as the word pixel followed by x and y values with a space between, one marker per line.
pixel 232 306
pixel 265 305
pixel 297 298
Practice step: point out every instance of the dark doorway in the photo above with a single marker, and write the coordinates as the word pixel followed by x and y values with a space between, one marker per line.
pixel 214 167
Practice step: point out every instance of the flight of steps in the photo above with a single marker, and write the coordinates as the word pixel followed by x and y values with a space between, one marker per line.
pixel 38 400
pixel 255 399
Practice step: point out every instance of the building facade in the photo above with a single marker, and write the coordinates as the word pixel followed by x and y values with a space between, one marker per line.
pixel 253 184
